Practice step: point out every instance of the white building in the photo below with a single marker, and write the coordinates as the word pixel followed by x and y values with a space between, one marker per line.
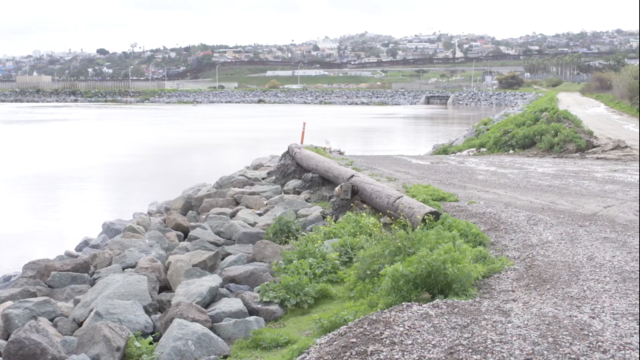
pixel 326 44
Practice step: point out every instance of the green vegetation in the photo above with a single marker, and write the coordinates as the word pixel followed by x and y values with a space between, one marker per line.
pixel 372 266
pixel 430 195
pixel 320 151
pixel 283 231
pixel 619 90
pixel 140 348
pixel 391 179
pixel 273 84
pixel 542 125
pixel 554 82
pixel 569 87
pixel 510 82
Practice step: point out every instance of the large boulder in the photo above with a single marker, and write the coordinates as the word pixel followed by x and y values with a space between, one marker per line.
pixel 206 235
pixel 135 229
pixel 59 280
pixel 232 330
pixel 248 216
pixel 186 311
pixel 65 326
pixel 210 192
pixel 221 212
pixel 249 275
pixel 33 342
pixel 267 191
pixel 24 311
pixel 67 294
pixel 153 269
pixel 46 324
pixel 121 244
pixel 42 269
pixel 178 223
pixel 210 204
pixel 103 259
pixel 69 344
pixel 125 287
pixel 129 314
pixel 187 340
pixel 269 312
pixel 237 250
pixel 103 341
pixel 114 228
pixel 99 243
pixel 233 260
pixel 292 205
pixel 17 294
pixel 293 187
pixel 198 291
pixel 227 308
pixel 242 233
pixel 175 275
pixel 104 272
pixel 253 202
pixel 205 260
pixel 4 335
pixel 156 238
pixel 267 252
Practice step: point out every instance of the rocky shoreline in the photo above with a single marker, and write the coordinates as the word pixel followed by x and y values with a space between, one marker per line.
pixel 186 269
pixel 306 97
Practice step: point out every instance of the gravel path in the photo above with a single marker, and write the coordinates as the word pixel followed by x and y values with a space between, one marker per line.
pixel 570 226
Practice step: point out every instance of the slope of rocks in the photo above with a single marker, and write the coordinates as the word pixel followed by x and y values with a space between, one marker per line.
pixel 185 269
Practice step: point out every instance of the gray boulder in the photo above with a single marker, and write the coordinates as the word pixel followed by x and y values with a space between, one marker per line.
pixel 248 216
pixel 68 293
pixel 100 242
pixel 103 341
pixel 210 192
pixel 310 211
pixel 178 223
pixel 237 250
pixel 103 273
pixel 227 308
pixel 114 228
pixel 186 311
pixel 83 244
pixel 293 187
pixel 177 269
pixel 102 259
pixel 267 191
pixel 33 342
pixel 267 252
pixel 206 235
pixel 128 259
pixel 269 312
pixel 242 233
pixel 221 212
pixel 198 291
pixel 42 269
pixel 232 330
pixel 253 202
pixel 313 220
pixel 65 326
pixel 143 221
pixel 153 269
pixel 124 287
pixel 193 217
pixel 156 238
pixel 4 335
pixel 135 229
pixel 69 344
pixel 122 244
pixel 233 260
pixel 17 294
pixel 129 314
pixel 164 301
pixel 186 340
pixel 24 311
pixel 247 275
pixel 58 280
pixel 292 205
pixel 205 260
pixel 210 204
pixel 79 357
pixel 195 273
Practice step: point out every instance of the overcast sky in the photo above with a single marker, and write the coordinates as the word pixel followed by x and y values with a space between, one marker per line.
pixel 77 24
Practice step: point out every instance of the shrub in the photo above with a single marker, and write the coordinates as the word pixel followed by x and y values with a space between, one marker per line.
pixel 626 84
pixel 140 348
pixel 510 82
pixel 554 82
pixel 266 339
pixel 283 231
pixel 330 323
pixel 273 84
pixel 600 83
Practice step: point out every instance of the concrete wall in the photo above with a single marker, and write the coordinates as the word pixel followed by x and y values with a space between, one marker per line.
pixel 85 86
pixel 33 79
pixel 199 85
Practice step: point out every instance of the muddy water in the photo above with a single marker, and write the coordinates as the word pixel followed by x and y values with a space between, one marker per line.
pixel 64 169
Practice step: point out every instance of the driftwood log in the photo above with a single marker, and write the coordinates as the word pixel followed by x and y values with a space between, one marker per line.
pixel 383 198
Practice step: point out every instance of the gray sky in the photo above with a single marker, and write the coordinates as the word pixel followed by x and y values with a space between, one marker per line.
pixel 74 24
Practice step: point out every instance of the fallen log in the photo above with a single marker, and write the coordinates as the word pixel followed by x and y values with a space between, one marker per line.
pixel 383 198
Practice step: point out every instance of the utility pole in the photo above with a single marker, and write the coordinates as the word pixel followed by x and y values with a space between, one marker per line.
pixel 217 78
pixel 473 76
pixel 130 85
pixel 299 68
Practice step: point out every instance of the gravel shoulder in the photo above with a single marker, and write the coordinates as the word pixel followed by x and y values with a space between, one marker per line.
pixel 571 228
pixel 604 121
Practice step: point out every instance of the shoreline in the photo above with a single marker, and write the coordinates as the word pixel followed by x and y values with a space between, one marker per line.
pixel 299 97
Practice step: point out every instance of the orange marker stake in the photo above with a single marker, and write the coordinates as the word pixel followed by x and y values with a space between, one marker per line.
pixel 304 128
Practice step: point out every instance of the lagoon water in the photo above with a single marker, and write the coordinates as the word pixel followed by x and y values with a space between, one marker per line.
pixel 66 168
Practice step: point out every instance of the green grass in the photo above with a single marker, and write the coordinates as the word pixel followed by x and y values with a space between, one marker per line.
pixel 355 168
pixel 320 151
pixel 298 325
pixel 140 348
pixel 430 195
pixel 611 101
pixel 542 125
pixel 262 81
pixel 569 87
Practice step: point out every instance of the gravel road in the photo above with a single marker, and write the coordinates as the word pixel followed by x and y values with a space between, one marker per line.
pixel 571 228
pixel 606 122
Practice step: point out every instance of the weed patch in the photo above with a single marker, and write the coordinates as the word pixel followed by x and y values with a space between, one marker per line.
pixel 283 231
pixel 140 348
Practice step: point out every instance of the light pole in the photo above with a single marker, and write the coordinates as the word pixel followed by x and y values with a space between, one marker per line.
pixel 473 76
pixel 299 67
pixel 165 75
pixel 217 78
pixel 130 85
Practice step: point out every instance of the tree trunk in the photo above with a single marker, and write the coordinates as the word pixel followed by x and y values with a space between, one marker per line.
pixel 383 198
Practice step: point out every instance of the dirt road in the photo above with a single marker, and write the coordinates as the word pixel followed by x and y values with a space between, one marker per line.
pixel 605 121
pixel 571 228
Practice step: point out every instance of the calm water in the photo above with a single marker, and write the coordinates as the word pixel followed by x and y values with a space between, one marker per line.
pixel 64 169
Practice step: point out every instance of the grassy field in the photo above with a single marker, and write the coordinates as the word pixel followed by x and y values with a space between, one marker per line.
pixel 569 87
pixel 614 103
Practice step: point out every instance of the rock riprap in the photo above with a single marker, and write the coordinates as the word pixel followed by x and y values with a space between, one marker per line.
pixel 186 269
